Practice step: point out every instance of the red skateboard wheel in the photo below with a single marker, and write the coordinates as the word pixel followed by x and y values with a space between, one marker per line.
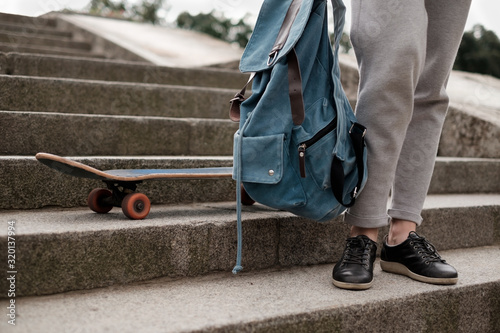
pixel 95 200
pixel 136 206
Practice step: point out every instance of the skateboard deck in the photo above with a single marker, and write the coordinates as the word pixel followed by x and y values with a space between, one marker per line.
pixel 122 183
pixel 81 170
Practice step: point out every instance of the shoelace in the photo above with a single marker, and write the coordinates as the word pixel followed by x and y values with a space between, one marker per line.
pixel 426 249
pixel 356 252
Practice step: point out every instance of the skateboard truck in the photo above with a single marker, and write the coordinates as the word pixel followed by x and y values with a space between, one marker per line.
pixel 134 205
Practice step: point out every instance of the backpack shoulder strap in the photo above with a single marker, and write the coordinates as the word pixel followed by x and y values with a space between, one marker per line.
pixel 284 32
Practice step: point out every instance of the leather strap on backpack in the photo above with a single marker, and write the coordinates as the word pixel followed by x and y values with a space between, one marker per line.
pixel 294 76
pixel 284 32
pixel 234 111
pixel 295 89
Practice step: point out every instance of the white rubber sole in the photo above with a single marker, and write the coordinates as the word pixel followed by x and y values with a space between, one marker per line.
pixel 397 268
pixel 352 286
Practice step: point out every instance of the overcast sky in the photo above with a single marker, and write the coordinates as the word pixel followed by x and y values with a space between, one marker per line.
pixel 485 12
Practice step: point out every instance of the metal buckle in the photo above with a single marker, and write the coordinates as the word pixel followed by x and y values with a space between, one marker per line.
pixel 272 57
pixel 238 97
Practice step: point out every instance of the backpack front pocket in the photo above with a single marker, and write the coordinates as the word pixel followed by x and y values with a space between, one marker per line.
pixel 313 146
pixel 261 158
pixel 306 148
pixel 267 173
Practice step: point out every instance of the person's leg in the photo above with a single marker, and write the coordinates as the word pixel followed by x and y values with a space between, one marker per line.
pixel 389 38
pixel 399 231
pixel 446 22
pixel 404 251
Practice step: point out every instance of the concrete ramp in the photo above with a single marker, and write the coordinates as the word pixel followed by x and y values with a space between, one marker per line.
pixel 480 94
pixel 472 126
pixel 159 45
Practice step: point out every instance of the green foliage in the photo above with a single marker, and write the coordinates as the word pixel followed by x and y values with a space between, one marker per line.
pixel 479 52
pixel 106 8
pixel 146 11
pixel 345 42
pixel 217 26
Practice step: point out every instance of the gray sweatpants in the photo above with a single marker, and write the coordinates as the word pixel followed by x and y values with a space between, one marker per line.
pixel 405 51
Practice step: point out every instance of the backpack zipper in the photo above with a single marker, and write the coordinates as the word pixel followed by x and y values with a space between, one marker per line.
pixel 306 144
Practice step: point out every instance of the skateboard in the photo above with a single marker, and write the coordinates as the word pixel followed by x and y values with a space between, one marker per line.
pixel 122 183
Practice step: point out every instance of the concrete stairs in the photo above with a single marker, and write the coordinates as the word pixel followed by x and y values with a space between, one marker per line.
pixel 296 299
pixel 40 35
pixel 78 271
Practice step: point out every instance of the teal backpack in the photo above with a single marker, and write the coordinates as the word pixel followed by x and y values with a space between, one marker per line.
pixel 299 147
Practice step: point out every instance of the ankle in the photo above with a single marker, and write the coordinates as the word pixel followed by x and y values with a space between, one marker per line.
pixel 371 233
pixel 399 231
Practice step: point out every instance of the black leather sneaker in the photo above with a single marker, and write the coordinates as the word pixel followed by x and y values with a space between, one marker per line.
pixel 417 259
pixel 354 270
